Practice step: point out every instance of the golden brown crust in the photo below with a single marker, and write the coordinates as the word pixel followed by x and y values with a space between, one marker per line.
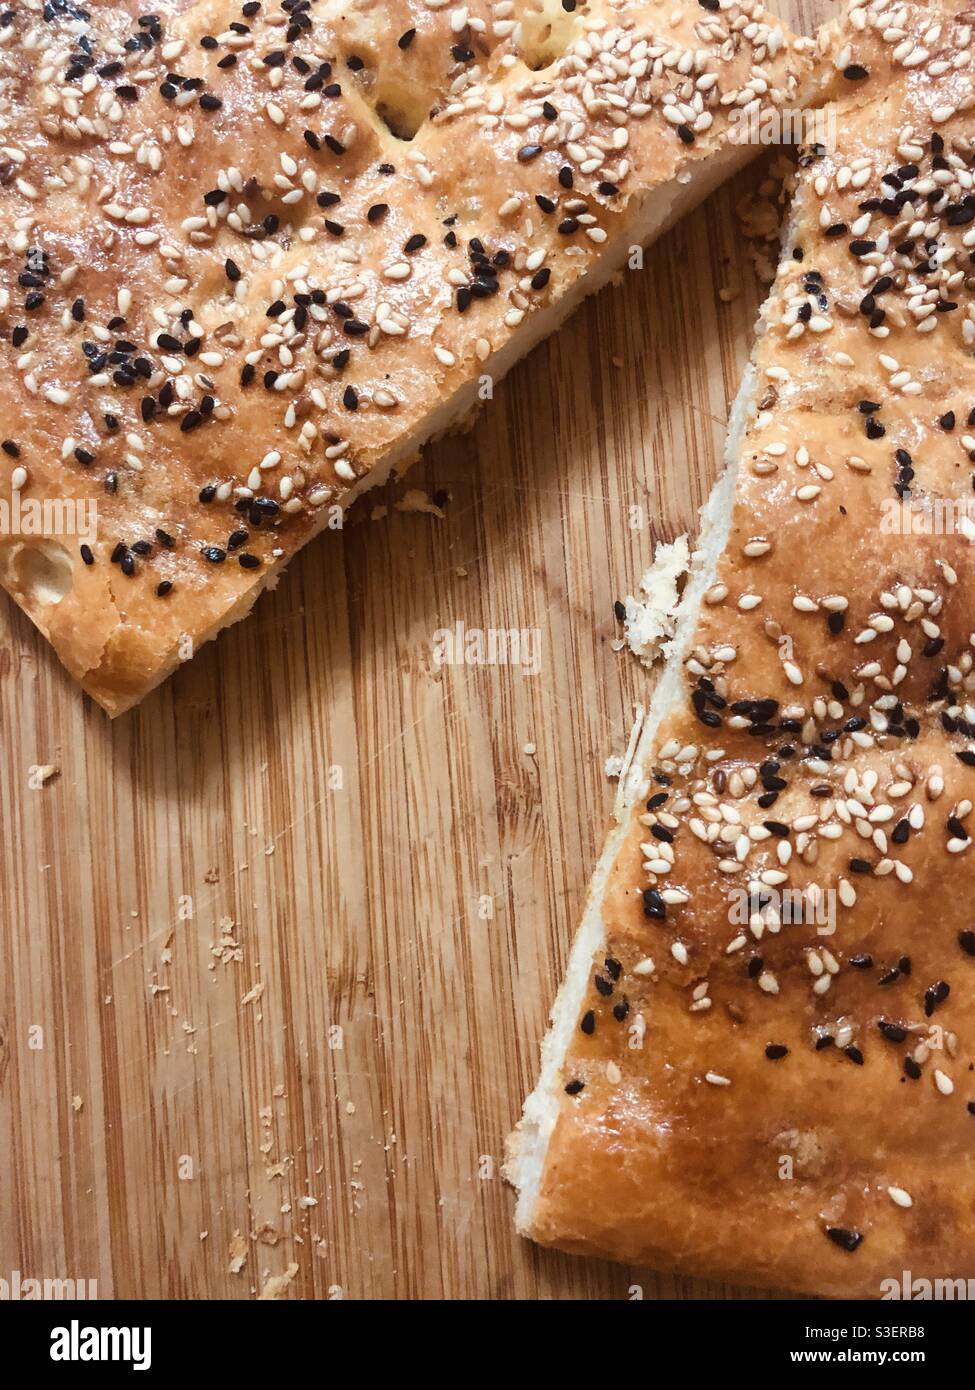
pixel 233 178
pixel 792 1103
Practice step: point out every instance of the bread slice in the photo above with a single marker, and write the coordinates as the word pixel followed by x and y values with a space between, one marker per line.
pixel 257 256
pixel 761 1065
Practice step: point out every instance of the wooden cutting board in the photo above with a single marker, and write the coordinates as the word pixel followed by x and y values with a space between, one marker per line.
pixel 278 947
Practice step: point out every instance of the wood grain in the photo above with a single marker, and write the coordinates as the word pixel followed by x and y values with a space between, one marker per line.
pixel 369 1041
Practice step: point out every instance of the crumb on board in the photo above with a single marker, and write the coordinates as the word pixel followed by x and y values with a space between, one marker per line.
pixel 237 1253
pixel 649 619
pixel 416 500
pixel 277 1285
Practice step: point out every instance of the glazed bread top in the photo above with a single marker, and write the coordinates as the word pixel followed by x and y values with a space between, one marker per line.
pixel 253 251
pixel 772 1077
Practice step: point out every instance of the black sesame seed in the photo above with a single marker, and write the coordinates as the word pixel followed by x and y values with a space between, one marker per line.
pixel 847 1240
pixel 588 1023
pixel 776 1051
pixel 654 905
pixel 572 1088
pixel 935 995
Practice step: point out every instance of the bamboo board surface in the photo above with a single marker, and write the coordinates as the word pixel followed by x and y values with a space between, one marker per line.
pixel 291 929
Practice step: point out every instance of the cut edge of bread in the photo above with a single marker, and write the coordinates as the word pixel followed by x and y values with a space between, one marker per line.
pixel 527 1146
pixel 657 211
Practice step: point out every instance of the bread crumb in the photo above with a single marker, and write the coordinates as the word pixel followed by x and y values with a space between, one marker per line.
pixel 237 1253
pixel 650 620
pixel 760 215
pixel 277 1285
pixel 41 774
pixel 418 501
pixel 729 293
